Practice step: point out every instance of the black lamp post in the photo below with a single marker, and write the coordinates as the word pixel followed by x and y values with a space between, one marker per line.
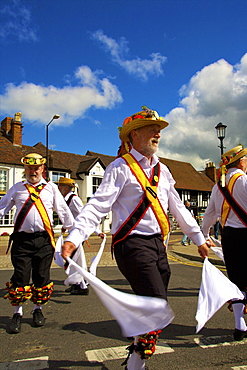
pixel 221 133
pixel 56 116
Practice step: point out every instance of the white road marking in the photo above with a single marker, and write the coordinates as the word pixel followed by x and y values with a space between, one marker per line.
pixel 243 367
pixel 114 353
pixel 27 363
pixel 224 340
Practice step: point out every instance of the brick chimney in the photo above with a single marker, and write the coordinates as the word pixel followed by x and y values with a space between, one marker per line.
pixel 12 129
pixel 211 171
pixel 6 125
pixel 16 133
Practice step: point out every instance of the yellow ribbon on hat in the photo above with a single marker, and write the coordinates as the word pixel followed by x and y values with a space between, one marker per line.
pixel 223 170
pixel 223 175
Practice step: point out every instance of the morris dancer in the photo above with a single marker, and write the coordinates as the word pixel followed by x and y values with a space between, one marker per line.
pixel 33 240
pixel 66 187
pixel 138 189
pixel 228 202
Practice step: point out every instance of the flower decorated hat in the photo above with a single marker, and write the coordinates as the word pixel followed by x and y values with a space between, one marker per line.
pixel 229 157
pixel 66 181
pixel 33 159
pixel 233 155
pixel 140 119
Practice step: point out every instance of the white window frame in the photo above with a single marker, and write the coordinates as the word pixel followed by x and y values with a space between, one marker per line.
pixel 59 174
pixel 95 186
pixel 4 173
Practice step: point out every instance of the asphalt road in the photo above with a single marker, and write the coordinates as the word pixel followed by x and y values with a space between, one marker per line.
pixel 79 329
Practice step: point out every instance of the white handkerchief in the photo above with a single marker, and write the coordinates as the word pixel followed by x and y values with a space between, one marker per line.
pixel 216 289
pixel 80 259
pixel 218 248
pixel 58 259
pixel 96 259
pixel 135 314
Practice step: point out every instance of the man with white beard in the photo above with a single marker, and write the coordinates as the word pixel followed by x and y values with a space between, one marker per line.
pixel 138 189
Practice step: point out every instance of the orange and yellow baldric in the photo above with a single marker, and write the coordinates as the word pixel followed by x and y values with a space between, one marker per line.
pixel 230 203
pixel 35 199
pixel 149 199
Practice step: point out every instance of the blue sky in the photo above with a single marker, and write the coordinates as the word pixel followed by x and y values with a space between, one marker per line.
pixel 96 62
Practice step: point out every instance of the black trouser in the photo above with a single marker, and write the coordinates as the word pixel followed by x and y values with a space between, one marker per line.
pixel 143 262
pixel 234 245
pixel 31 254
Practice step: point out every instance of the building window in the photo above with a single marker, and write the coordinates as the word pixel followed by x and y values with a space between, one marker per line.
pixel 96 183
pixel 56 219
pixel 56 176
pixel 8 219
pixel 3 181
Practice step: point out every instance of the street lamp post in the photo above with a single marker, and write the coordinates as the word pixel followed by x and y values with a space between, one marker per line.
pixel 56 116
pixel 221 133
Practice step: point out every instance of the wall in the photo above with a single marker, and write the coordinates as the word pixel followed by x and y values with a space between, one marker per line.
pixel 15 174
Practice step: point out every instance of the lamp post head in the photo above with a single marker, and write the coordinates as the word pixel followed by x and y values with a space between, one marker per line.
pixel 221 130
pixel 56 116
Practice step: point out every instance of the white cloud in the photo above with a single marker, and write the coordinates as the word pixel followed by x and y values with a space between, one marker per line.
pixel 16 22
pixel 140 68
pixel 217 93
pixel 41 102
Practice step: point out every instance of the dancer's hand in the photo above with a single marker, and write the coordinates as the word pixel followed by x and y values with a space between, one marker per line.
pixel 203 250
pixel 67 249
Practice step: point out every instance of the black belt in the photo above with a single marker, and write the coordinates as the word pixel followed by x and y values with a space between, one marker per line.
pixel 146 237
pixel 35 234
pixel 23 235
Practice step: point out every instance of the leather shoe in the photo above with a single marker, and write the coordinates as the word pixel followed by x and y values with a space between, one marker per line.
pixel 239 334
pixel 38 318
pixel 69 289
pixel 15 326
pixel 79 291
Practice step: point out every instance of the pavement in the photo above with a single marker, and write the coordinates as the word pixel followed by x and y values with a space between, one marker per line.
pixel 175 250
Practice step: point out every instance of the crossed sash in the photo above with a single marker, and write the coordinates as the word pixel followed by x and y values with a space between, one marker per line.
pixel 149 199
pixel 34 199
pixel 230 203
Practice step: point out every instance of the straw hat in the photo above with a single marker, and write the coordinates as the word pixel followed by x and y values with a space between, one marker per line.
pixel 66 181
pixel 140 119
pixel 33 159
pixel 229 157
pixel 233 155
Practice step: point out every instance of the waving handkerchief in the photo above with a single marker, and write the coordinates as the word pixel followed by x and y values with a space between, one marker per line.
pixel 217 249
pixel 216 289
pixel 135 314
pixel 96 259
pixel 58 259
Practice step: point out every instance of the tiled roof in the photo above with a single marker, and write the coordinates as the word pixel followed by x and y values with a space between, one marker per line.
pixel 59 161
pixel 106 159
pixel 185 175
pixel 12 154
pixel 206 179
pixel 87 163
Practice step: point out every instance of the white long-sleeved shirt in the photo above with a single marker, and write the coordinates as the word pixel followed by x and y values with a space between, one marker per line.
pixel 51 198
pixel 214 208
pixel 75 205
pixel 121 192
